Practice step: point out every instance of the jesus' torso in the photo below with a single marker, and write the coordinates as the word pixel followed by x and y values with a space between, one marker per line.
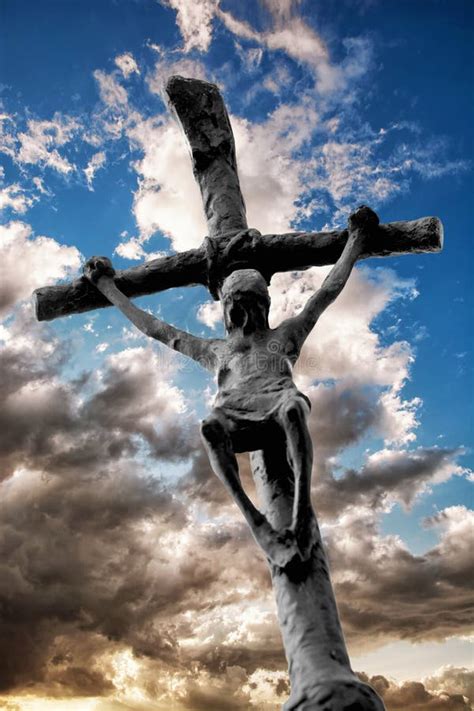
pixel 254 371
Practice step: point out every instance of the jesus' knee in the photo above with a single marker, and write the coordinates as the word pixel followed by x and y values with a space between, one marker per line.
pixel 213 430
pixel 294 412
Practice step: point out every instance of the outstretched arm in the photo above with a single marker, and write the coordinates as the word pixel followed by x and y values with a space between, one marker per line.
pixel 360 226
pixel 100 272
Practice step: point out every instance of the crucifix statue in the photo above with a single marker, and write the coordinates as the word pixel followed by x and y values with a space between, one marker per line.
pixel 258 408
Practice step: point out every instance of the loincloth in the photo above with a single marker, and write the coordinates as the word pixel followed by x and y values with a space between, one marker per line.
pixel 244 407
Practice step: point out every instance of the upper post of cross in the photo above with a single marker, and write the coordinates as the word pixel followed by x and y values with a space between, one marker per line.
pixel 200 110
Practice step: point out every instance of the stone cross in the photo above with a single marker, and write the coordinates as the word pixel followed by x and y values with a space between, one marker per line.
pixel 319 667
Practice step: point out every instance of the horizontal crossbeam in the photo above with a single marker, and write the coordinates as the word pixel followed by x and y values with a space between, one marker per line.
pixel 266 253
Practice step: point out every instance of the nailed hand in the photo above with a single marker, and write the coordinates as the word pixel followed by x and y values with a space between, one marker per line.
pixel 363 219
pixel 97 267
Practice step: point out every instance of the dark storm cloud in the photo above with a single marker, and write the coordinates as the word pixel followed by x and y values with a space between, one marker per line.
pixel 392 476
pixel 200 700
pixel 71 555
pixel 341 416
pixel 414 696
pixel 46 425
pixel 452 680
pixel 132 401
pixel 386 592
pixel 98 555
pixel 75 553
pixel 31 354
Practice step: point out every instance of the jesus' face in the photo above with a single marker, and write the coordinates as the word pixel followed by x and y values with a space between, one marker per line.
pixel 245 301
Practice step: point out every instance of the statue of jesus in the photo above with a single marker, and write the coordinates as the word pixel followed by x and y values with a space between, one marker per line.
pixel 256 398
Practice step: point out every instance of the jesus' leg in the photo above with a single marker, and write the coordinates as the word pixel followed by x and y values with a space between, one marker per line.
pixel 292 418
pixel 279 548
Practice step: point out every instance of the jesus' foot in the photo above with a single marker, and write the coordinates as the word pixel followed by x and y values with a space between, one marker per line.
pixel 280 548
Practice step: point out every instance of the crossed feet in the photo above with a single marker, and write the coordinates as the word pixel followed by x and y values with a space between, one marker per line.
pixel 284 547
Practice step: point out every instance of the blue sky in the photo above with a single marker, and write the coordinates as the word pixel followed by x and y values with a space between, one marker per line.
pixel 332 104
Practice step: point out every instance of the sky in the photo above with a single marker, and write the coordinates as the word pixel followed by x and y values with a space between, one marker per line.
pixel 128 580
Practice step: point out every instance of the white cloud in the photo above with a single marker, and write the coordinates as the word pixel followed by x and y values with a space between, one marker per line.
pixel 7 137
pixel 290 33
pixel 194 19
pixel 168 198
pixel 343 344
pixel 111 92
pixel 279 78
pixel 14 198
pixel 39 185
pixel 39 143
pixel 452 680
pixel 210 313
pixel 398 417
pixel 456 524
pixel 127 64
pixel 130 249
pixel 28 262
pixel 294 36
pixel 96 162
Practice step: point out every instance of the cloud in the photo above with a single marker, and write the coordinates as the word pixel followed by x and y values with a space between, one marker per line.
pixel 133 408
pixel 289 33
pixel 387 476
pixel 452 680
pixel 38 145
pixel 136 389
pixel 111 91
pixel 283 185
pixel 7 135
pixel 128 578
pixel 344 345
pixel 28 262
pixel 79 519
pixel 292 35
pixel 349 169
pixel 428 593
pixel 127 64
pixel 194 19
pixel 416 696
pixel 345 413
pixel 166 184
pixel 96 162
pixel 210 313
pixel 116 580
pixel 13 197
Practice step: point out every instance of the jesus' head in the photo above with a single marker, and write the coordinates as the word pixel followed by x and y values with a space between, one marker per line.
pixel 245 301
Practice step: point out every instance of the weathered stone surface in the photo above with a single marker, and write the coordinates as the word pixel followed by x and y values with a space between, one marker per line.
pixel 267 254
pixel 258 407
pixel 183 269
pixel 202 114
pixel 338 694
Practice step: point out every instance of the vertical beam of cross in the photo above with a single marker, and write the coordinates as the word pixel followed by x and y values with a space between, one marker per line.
pixel 319 665
pixel 201 112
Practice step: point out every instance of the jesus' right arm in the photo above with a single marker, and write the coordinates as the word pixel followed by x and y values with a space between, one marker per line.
pixel 99 271
pixel 361 225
